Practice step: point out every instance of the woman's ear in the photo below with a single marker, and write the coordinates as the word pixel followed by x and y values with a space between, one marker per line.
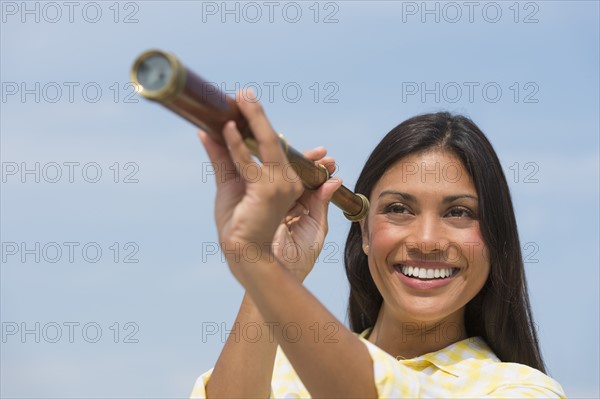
pixel 365 235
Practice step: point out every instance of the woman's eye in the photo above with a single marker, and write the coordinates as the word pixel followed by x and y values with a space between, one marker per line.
pixel 460 212
pixel 397 208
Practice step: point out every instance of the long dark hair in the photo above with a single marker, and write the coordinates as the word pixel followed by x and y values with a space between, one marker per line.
pixel 500 312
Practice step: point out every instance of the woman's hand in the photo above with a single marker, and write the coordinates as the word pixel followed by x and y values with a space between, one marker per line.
pixel 261 209
pixel 299 238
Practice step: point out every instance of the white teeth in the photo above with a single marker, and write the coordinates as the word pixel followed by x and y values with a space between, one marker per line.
pixel 421 272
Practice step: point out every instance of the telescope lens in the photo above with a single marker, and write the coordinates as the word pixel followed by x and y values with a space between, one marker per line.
pixel 155 72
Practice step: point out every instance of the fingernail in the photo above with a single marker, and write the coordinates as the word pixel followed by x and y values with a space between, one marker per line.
pixel 231 125
pixel 250 96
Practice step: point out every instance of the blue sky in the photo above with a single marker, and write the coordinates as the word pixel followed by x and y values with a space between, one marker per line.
pixel 358 68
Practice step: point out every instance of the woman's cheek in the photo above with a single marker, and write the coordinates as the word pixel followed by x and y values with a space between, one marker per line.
pixel 472 246
pixel 475 252
pixel 385 237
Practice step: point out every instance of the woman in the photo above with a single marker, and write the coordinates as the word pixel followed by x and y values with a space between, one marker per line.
pixel 438 290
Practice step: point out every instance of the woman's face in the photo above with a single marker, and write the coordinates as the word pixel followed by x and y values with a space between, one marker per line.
pixel 422 238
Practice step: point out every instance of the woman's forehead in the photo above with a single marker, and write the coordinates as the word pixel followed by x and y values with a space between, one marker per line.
pixel 432 170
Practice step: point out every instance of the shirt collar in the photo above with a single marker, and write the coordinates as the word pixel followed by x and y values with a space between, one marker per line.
pixel 457 358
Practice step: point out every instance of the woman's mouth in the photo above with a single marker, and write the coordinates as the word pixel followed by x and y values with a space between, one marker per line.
pixel 422 273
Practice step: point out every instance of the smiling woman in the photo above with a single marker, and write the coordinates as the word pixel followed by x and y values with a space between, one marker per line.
pixel 463 220
pixel 425 252
pixel 438 302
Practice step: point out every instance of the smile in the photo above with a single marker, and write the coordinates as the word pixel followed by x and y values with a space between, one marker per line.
pixel 426 273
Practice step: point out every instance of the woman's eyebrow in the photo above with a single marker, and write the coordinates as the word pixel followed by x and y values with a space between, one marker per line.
pixel 410 197
pixel 452 198
pixel 406 196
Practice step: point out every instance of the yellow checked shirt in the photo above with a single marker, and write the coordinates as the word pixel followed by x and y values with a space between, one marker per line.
pixel 467 368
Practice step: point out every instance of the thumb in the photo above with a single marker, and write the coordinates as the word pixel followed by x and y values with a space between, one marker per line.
pixel 328 188
pixel 323 195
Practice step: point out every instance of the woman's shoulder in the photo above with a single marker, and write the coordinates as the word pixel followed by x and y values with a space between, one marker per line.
pixel 469 365
pixel 510 377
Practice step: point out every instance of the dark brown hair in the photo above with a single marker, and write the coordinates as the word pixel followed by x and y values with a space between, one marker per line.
pixel 500 313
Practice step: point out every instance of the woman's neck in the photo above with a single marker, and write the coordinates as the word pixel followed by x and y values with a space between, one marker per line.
pixel 406 339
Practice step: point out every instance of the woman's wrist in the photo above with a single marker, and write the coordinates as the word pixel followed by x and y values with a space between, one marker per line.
pixel 254 273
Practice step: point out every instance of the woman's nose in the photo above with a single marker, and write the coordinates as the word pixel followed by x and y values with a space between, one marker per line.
pixel 428 234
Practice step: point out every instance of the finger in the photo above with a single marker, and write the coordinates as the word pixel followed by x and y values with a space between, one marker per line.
pixel 318 154
pixel 324 194
pixel 317 201
pixel 329 163
pixel 269 147
pixel 326 191
pixel 315 154
pixel 240 154
pixel 217 152
pixel 297 210
pixel 219 157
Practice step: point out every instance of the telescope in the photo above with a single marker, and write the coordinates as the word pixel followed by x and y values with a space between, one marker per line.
pixel 159 76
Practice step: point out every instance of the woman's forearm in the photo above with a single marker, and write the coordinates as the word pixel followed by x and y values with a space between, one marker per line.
pixel 245 366
pixel 330 360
